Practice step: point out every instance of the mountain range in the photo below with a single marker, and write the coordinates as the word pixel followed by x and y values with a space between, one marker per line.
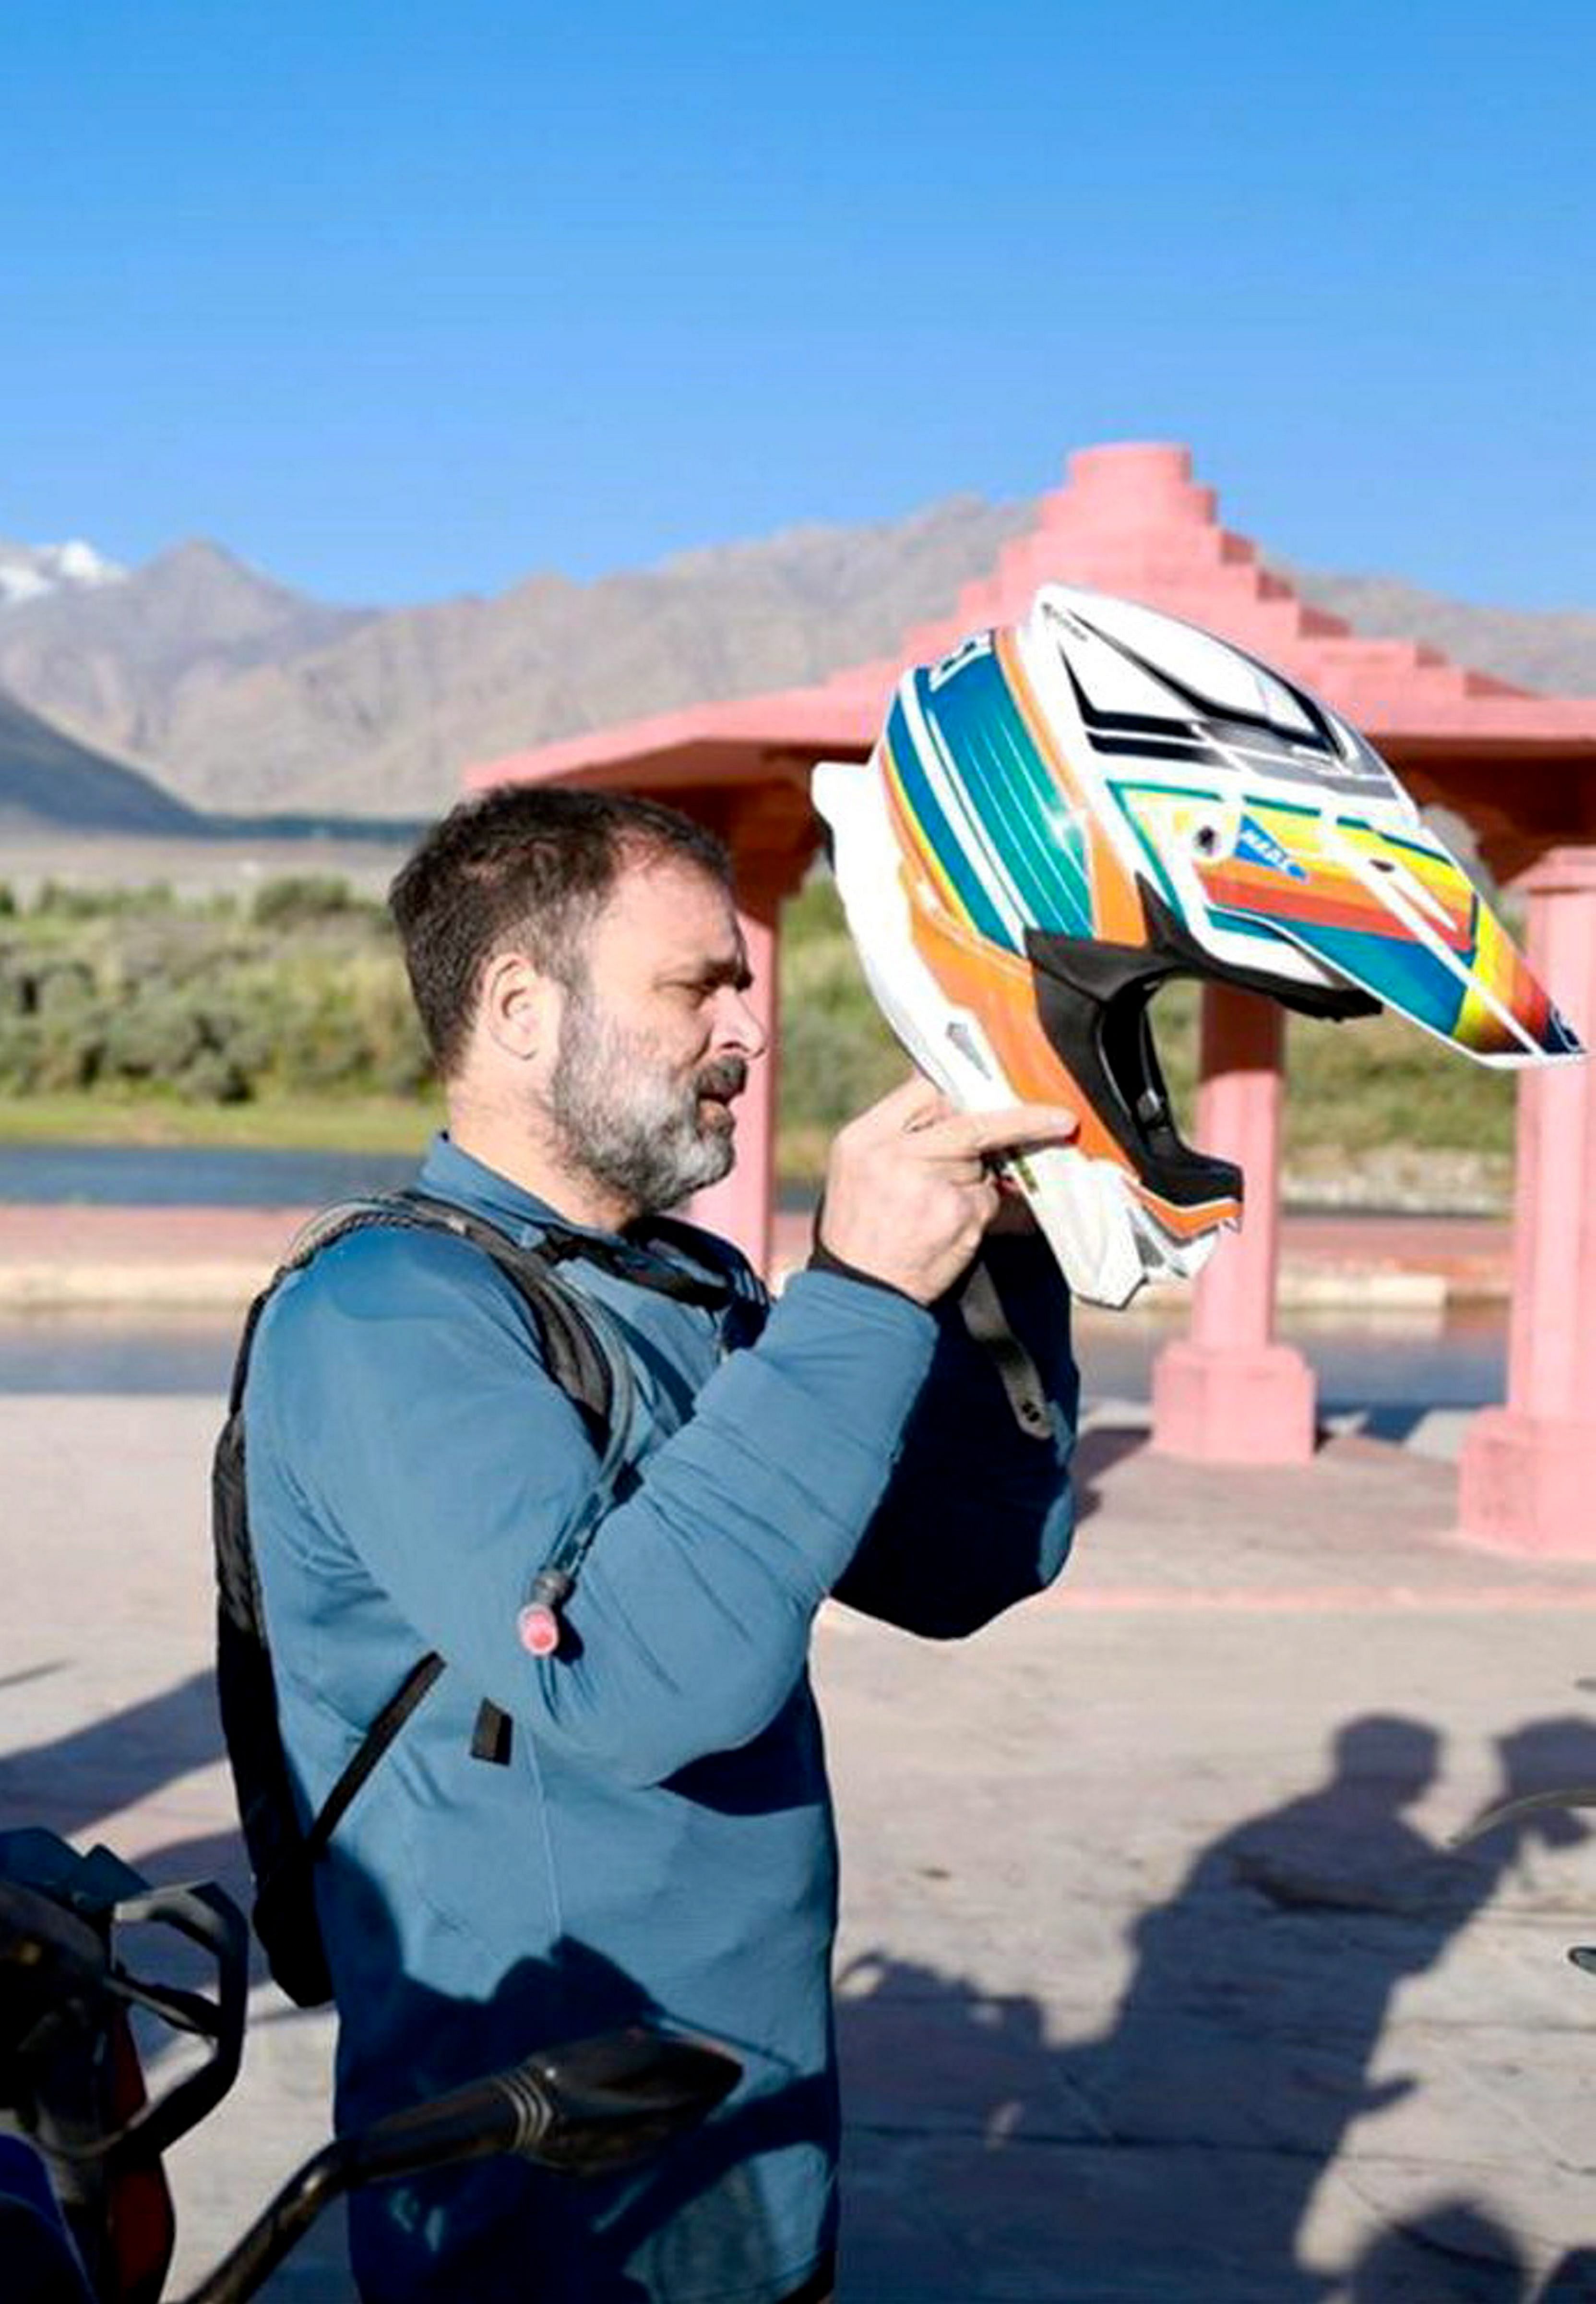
pixel 227 691
pixel 48 781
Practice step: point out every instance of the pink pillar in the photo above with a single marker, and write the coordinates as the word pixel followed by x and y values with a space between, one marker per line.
pixel 1527 1478
pixel 742 1208
pixel 1227 1393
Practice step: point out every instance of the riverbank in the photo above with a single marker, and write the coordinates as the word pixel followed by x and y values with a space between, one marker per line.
pixel 172 1258
pixel 70 1120
pixel 280 1015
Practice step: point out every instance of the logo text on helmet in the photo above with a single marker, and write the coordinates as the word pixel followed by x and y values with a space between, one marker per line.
pixel 1260 847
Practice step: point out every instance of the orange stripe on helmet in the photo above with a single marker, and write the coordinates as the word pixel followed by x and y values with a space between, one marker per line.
pixel 997 987
pixel 919 860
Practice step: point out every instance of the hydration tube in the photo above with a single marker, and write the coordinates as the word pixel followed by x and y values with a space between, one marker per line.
pixel 538 1623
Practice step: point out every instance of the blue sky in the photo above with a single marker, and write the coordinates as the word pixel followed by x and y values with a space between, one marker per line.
pixel 404 299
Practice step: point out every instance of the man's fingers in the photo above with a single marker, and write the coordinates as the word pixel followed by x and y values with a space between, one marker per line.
pixel 1015 1128
pixel 941 1131
pixel 918 1103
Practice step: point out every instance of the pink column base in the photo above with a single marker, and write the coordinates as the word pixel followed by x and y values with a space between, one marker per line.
pixel 1233 1404
pixel 1527 1484
pixel 1227 1393
pixel 1527 1476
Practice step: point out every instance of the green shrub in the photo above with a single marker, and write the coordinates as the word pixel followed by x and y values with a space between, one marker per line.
pixel 303 897
pixel 136 993
pixel 22 1048
pixel 62 988
pixel 214 1077
pixel 1379 1080
pixel 154 1038
pixel 70 899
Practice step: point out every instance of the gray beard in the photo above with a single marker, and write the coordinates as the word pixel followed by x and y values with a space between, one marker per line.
pixel 618 1120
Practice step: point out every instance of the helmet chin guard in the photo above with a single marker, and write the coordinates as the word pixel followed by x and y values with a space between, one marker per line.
pixel 1059 817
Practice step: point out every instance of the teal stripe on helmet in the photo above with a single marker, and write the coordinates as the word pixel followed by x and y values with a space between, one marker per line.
pixel 1059 847
pixel 938 833
pixel 1012 794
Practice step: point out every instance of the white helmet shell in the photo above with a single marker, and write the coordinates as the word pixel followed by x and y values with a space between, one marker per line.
pixel 1060 816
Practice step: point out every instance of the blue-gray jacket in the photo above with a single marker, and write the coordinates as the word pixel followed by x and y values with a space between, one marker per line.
pixel 660 1840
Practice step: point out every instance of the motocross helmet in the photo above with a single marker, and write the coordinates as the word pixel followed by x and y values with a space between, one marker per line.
pixel 1061 815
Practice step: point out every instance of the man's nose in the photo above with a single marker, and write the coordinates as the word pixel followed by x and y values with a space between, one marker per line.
pixel 739 1026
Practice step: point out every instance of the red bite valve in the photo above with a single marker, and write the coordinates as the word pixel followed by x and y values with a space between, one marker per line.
pixel 540 1629
pixel 537 1626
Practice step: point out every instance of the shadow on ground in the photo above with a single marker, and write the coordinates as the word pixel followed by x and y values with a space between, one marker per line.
pixel 1176 2153
pixel 1098 1449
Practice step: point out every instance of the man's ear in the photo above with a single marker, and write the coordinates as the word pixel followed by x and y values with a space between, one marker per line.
pixel 520 1006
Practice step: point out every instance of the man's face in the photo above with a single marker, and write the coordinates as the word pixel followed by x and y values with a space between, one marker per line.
pixel 655 1039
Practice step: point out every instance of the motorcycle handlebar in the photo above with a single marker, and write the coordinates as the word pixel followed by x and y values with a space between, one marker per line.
pixel 586 2107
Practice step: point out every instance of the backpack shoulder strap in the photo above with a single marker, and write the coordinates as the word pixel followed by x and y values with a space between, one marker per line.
pixel 583 1356
pixel 374 1742
pixel 706 1248
pixel 740 1296
pixel 581 1348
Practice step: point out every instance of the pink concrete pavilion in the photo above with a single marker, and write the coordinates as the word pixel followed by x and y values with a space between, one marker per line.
pixel 1520 768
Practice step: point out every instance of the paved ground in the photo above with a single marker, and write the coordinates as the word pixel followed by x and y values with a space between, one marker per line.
pixel 1158 1980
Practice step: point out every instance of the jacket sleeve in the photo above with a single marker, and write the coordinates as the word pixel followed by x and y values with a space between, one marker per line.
pixel 432 1454
pixel 979 1512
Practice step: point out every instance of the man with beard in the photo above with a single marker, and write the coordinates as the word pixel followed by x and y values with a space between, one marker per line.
pixel 652 1835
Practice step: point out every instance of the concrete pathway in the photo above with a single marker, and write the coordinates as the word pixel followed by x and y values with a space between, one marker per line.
pixel 1157 1979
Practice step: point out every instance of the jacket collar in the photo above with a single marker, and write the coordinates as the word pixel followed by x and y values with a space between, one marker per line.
pixel 455 1175
pixel 451 1174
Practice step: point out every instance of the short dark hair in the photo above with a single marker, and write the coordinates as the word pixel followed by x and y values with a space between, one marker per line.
pixel 525 867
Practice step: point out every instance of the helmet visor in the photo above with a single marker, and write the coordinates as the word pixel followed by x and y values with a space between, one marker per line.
pixel 1389 911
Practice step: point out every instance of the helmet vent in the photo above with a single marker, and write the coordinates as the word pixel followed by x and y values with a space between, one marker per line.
pixel 961 1037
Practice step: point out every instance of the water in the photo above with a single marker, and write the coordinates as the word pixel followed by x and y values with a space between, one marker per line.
pixel 176 1176
pixel 1391 1368
pixel 92 1350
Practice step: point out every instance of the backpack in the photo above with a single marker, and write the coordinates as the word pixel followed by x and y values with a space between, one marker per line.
pixel 584 1354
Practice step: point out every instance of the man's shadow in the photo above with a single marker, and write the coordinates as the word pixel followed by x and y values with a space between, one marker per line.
pixel 1248 2029
pixel 1459 2254
pixel 1204 2117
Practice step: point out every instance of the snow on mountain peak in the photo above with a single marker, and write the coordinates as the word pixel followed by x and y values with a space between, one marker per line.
pixel 28 570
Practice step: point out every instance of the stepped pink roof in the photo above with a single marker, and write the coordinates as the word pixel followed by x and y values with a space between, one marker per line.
pixel 1131 520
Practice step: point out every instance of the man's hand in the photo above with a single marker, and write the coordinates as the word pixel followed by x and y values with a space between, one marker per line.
pixel 909 1192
